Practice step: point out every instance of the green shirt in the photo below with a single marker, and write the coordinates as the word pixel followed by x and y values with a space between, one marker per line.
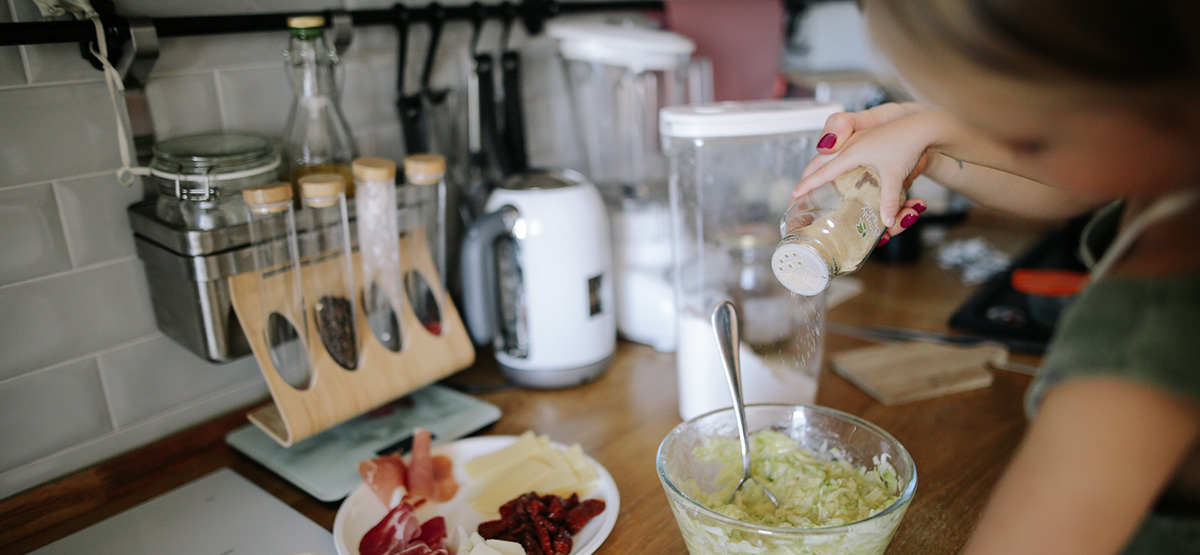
pixel 1141 329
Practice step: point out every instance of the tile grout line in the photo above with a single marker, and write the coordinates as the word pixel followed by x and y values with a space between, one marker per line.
pixel 102 264
pixel 89 175
pixel 67 83
pixel 85 356
pixel 72 257
pixel 216 80
pixel 179 409
pixel 104 392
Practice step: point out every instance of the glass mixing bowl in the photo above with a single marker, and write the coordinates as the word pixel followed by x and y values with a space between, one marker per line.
pixel 825 432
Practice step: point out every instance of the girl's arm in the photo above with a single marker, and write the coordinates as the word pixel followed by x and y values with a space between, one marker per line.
pixel 1094 460
pixel 1003 191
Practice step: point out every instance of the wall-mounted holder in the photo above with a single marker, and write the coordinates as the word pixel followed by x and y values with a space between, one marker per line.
pixel 336 394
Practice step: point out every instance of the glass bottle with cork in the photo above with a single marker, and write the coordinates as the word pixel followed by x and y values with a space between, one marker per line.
pixel 829 232
pixel 327 253
pixel 423 201
pixel 272 226
pixel 316 138
pixel 379 247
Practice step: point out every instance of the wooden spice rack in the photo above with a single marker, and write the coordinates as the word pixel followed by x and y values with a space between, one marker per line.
pixel 334 393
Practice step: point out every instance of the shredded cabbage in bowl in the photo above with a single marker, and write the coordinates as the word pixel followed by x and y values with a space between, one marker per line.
pixel 823 492
pixel 813 492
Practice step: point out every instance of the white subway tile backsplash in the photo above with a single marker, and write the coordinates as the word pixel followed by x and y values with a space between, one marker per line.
pixel 93 212
pixel 62 317
pixel 31 235
pixel 146 379
pixel 53 62
pixel 384 141
pixel 255 100
pixel 56 131
pixel 82 455
pixel 49 411
pixel 195 54
pixel 12 69
pixel 183 104
pixel 369 90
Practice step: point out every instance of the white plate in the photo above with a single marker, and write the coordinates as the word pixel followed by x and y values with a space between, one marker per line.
pixel 362 510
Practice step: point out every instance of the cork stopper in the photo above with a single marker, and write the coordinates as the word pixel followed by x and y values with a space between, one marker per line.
pixel 321 190
pixel 374 169
pixel 424 169
pixel 269 198
pixel 305 22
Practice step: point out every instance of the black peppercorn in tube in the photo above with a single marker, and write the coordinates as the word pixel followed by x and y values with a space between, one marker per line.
pixel 326 251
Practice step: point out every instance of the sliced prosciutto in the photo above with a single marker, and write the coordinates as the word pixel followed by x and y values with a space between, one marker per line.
pixel 427 476
pixel 400 533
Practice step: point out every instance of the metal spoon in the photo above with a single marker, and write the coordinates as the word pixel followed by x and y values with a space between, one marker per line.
pixel 724 320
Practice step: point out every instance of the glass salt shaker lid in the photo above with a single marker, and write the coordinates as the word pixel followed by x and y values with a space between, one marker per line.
pixel 193 166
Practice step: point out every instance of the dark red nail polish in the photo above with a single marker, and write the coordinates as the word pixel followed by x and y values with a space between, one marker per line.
pixel 883 241
pixel 908 220
pixel 920 207
pixel 827 141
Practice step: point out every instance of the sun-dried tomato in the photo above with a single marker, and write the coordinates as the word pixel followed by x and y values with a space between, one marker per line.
pixel 542 524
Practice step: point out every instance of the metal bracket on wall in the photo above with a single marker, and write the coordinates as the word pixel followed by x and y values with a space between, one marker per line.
pixel 140 53
pixel 341 26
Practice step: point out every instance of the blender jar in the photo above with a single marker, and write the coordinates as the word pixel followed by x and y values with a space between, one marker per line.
pixel 619 76
pixel 733 167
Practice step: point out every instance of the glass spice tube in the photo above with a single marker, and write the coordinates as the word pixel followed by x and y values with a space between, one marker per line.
pixel 272 225
pixel 424 196
pixel 379 247
pixel 327 252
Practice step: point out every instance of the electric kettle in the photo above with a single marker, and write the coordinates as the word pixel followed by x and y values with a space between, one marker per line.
pixel 538 281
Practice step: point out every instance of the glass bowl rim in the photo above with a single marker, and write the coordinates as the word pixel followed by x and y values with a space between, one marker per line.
pixel 901 501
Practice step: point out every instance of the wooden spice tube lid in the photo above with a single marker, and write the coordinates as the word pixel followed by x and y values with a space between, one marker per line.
pixel 424 169
pixel 268 198
pixel 305 21
pixel 374 169
pixel 321 190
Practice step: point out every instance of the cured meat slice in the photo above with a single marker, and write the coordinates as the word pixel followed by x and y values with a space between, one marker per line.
pixel 384 475
pixel 420 471
pixel 400 533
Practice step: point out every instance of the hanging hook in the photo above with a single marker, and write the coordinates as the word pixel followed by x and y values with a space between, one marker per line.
pixel 437 18
pixel 510 15
pixel 401 19
pixel 478 16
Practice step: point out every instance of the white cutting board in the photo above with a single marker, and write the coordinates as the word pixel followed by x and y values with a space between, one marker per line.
pixel 219 514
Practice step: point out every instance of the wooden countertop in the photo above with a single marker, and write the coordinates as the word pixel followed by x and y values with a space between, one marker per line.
pixel 960 443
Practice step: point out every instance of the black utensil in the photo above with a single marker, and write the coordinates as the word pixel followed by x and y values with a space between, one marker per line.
pixel 517 159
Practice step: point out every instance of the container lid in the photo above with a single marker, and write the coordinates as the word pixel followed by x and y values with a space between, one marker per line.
pixel 799 268
pixel 424 169
pixel 745 119
pixel 624 46
pixel 215 155
pixel 305 21
pixel 543 179
pixel 269 198
pixel 320 190
pixel 373 169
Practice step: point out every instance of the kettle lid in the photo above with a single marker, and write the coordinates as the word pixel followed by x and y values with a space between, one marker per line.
pixel 543 178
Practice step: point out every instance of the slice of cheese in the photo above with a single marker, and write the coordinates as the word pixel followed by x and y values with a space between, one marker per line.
pixel 519 479
pixel 480 468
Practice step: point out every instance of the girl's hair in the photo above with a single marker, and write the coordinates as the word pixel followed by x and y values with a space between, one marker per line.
pixel 1117 43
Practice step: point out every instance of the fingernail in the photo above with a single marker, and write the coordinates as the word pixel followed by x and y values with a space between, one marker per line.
pixel 883 241
pixel 920 207
pixel 827 141
pixel 908 220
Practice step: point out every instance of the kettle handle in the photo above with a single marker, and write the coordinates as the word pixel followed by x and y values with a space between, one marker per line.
pixel 477 263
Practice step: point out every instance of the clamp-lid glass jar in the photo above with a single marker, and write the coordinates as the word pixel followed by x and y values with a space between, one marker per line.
pixel 199 178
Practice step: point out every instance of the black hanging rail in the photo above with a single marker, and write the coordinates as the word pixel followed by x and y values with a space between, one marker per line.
pixel 532 12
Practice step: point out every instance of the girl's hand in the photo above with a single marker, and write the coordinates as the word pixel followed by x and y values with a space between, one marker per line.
pixel 884 139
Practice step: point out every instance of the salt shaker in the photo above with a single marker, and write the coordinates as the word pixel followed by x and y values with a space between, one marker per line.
pixel 272 226
pixel 828 232
pixel 331 273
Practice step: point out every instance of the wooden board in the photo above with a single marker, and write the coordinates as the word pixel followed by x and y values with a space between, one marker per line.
pixel 336 394
pixel 898 373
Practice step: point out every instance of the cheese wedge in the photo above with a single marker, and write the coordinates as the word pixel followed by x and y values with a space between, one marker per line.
pixel 531 463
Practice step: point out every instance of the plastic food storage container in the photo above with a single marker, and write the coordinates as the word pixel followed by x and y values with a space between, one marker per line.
pixel 733 167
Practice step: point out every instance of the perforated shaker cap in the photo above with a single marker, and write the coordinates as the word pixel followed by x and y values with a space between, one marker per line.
pixel 799 268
